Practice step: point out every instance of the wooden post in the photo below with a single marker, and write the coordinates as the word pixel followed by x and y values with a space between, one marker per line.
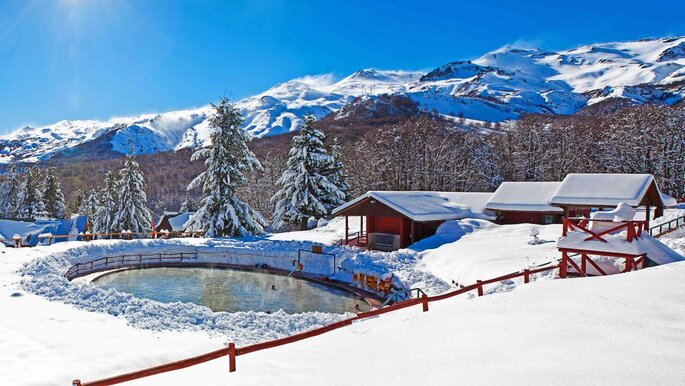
pixel 231 357
pixel 583 263
pixel 346 230
pixel 644 261
pixel 648 214
pixel 480 287
pixel 629 264
pixel 424 300
pixel 526 276
pixel 412 235
pixel 563 266
pixel 76 382
pixel 564 228
pixel 361 226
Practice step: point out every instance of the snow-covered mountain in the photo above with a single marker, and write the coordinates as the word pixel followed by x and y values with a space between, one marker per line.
pixel 499 85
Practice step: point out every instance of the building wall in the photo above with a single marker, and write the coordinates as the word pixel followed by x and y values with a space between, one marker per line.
pixel 378 224
pixel 400 226
pixel 505 217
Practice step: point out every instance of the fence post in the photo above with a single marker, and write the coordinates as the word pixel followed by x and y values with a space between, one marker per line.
pixel 480 287
pixel 76 382
pixel 563 266
pixel 231 357
pixel 424 300
pixel 526 276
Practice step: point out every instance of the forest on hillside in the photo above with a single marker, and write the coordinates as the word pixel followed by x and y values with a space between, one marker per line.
pixel 425 152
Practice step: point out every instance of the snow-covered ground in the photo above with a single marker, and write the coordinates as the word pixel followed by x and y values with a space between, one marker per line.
pixel 623 329
pixel 62 331
pixel 488 250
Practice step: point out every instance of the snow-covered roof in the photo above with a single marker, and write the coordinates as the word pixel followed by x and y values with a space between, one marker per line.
pixel 669 202
pixel 602 189
pixel 429 206
pixel 524 197
pixel 177 220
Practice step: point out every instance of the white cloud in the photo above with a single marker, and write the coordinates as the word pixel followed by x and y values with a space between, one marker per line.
pixel 316 81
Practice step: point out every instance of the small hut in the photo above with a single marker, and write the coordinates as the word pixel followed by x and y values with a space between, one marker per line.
pixel 525 202
pixel 392 220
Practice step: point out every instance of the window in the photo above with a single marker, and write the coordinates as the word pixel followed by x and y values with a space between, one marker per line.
pixel 548 219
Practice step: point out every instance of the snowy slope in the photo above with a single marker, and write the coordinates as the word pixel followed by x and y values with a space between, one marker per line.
pixel 498 86
pixel 564 332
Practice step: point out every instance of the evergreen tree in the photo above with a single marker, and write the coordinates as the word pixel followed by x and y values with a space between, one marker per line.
pixel 132 213
pixel 76 202
pixel 108 206
pixel 221 212
pixel 9 194
pixel 305 192
pixel 89 204
pixel 188 204
pixel 53 196
pixel 335 172
pixel 31 204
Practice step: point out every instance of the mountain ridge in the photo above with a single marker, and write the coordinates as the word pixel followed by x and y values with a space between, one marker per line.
pixel 500 85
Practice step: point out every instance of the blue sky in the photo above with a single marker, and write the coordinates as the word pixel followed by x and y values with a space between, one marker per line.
pixel 94 59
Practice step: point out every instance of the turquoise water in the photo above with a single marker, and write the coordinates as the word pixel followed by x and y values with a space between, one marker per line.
pixel 231 290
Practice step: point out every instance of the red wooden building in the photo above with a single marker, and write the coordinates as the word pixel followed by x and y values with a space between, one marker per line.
pixel 525 202
pixel 394 220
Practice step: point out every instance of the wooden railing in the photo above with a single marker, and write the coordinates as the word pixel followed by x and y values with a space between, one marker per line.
pixel 633 228
pixel 126 261
pixel 667 227
pixel 233 352
pixel 355 238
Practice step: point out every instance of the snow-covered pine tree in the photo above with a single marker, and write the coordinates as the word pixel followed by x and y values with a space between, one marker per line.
pixel 9 194
pixel 132 214
pixel 108 206
pixel 89 205
pixel 188 204
pixel 53 196
pixel 305 192
pixel 335 172
pixel 221 213
pixel 31 204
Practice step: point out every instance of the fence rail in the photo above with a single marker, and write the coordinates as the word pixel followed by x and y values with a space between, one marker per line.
pixel 124 235
pixel 667 227
pixel 232 351
pixel 126 261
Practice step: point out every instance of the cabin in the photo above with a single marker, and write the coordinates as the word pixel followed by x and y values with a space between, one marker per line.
pixel 173 222
pixel 525 202
pixel 583 192
pixel 392 220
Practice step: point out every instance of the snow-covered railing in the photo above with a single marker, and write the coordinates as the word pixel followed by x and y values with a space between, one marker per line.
pixel 667 227
pixel 233 352
pixel 633 228
pixel 124 235
pixel 126 261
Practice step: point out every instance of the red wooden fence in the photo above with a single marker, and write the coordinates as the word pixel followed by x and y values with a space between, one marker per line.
pixel 232 352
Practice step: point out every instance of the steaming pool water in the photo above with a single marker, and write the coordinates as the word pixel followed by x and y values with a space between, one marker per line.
pixel 232 290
